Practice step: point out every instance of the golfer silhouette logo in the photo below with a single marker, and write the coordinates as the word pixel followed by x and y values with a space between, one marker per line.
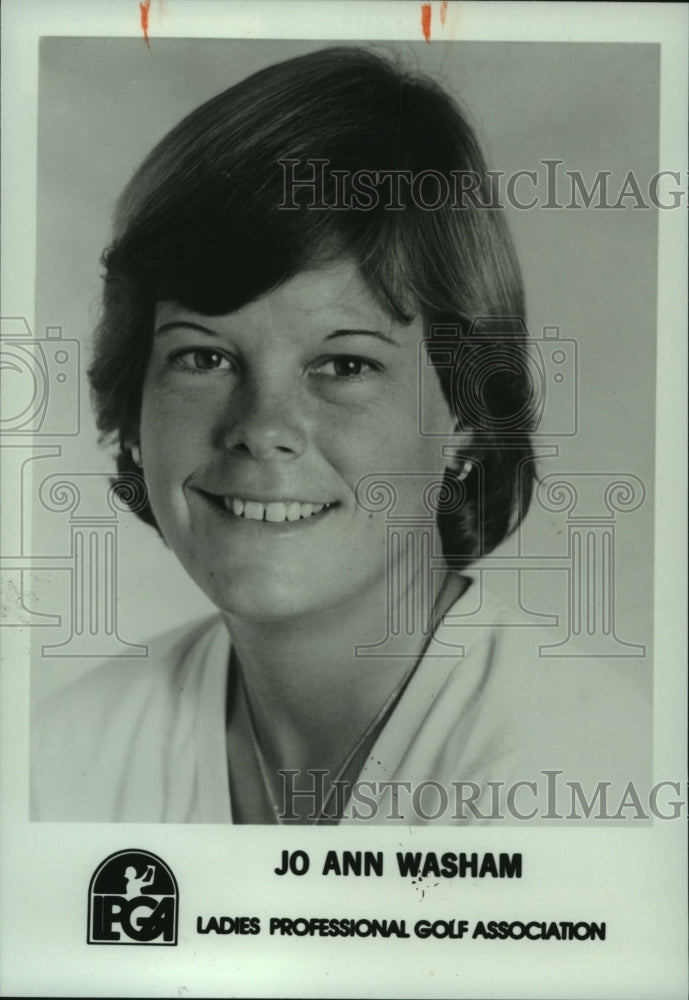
pixel 136 883
pixel 133 899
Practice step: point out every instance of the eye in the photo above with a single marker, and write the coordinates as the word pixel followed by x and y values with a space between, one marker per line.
pixel 201 359
pixel 346 366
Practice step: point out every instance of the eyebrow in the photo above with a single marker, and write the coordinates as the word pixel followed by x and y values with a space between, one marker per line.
pixel 188 325
pixel 363 333
pixel 185 325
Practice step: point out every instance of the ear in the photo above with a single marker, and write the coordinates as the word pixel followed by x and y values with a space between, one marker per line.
pixel 457 449
pixel 465 470
pixel 135 450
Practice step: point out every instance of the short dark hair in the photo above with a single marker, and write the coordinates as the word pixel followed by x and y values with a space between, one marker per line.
pixel 200 223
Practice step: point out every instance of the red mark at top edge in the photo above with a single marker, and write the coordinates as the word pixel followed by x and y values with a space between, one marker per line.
pixel 443 12
pixel 144 9
pixel 426 21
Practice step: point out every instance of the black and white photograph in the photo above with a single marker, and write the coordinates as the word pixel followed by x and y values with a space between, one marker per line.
pixel 343 359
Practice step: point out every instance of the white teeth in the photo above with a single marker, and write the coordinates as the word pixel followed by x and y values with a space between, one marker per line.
pixel 293 511
pixel 253 510
pixel 275 511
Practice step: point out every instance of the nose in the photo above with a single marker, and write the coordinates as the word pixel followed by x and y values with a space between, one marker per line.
pixel 265 423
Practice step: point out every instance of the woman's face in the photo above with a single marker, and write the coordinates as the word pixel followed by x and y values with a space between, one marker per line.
pixel 257 426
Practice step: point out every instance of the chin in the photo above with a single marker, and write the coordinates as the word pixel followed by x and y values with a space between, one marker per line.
pixel 262 600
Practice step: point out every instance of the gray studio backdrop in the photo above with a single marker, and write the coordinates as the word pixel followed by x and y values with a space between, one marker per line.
pixel 590 272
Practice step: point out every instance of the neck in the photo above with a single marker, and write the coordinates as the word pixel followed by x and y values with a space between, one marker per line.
pixel 311 697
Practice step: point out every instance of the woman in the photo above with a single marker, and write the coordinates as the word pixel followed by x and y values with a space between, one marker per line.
pixel 296 303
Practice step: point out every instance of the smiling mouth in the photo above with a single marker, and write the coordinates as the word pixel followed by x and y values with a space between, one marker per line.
pixel 273 511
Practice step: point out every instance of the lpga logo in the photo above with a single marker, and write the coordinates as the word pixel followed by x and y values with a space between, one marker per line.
pixel 133 899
